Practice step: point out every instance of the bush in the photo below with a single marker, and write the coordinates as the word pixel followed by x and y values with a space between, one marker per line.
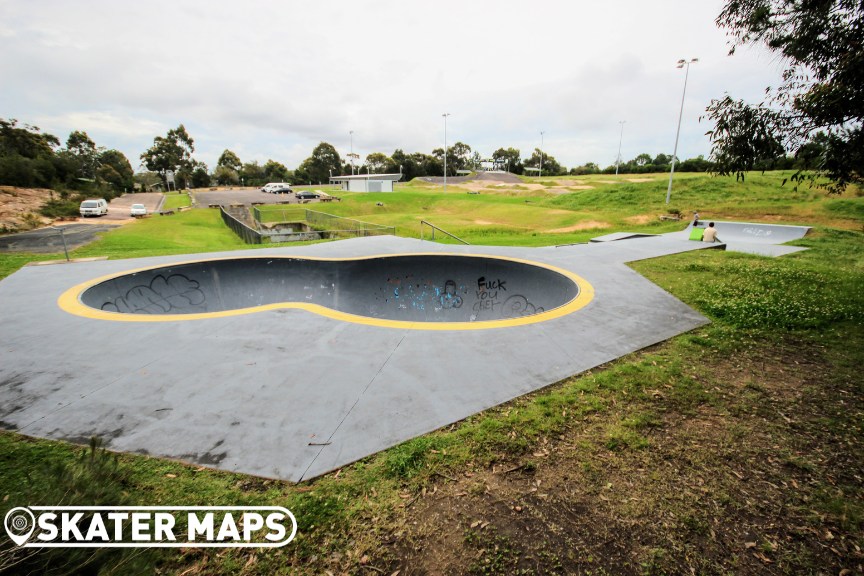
pixel 61 207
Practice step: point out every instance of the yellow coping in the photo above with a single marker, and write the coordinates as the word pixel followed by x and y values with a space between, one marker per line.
pixel 70 301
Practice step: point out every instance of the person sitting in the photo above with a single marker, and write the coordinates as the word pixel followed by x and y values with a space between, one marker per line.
pixel 710 234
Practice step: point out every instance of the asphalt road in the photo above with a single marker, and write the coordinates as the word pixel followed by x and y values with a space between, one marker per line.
pixel 82 232
pixel 50 240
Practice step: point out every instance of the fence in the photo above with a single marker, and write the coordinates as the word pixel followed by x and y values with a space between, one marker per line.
pixel 434 228
pixel 325 225
pixel 248 235
pixel 338 224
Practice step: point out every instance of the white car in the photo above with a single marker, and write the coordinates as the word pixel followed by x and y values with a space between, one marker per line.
pixel 138 210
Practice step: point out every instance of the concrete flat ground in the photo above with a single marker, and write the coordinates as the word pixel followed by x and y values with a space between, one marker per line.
pixel 292 394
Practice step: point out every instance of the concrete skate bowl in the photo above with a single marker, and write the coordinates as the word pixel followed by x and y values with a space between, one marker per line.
pixel 416 291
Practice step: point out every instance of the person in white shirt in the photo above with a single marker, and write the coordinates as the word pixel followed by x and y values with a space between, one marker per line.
pixel 710 234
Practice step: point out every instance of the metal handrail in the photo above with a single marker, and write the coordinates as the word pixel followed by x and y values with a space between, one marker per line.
pixel 422 222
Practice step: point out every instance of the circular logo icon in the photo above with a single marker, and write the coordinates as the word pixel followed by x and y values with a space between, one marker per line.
pixel 19 523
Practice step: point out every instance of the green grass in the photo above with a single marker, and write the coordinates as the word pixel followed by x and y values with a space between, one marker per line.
pixel 184 232
pixel 174 200
pixel 657 442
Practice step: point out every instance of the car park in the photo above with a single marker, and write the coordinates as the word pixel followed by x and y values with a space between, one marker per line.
pixel 137 210
pixel 93 207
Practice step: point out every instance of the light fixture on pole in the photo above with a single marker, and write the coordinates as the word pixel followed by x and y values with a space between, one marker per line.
pixel 620 139
pixel 445 149
pixel 541 154
pixel 351 154
pixel 681 64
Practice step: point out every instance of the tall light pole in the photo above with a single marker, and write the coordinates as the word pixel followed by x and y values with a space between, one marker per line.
pixel 541 153
pixel 620 139
pixel 351 133
pixel 445 149
pixel 681 64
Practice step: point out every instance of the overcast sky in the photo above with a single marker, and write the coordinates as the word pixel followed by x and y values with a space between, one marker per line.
pixel 273 79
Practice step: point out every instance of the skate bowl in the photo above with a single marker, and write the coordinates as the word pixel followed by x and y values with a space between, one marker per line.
pixel 419 291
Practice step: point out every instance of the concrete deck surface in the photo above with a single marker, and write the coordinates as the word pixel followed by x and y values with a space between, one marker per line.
pixel 290 394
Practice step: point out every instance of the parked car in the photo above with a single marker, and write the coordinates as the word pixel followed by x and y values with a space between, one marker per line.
pixel 272 186
pixel 281 189
pixel 93 207
pixel 308 195
pixel 138 210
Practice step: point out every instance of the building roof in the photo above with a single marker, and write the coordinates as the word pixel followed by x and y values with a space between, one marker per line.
pixel 393 177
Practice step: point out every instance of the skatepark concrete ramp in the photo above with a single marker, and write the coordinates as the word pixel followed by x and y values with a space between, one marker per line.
pixel 423 291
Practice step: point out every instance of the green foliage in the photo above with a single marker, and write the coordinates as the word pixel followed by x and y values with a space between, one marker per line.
pixel 550 166
pixel 783 294
pixel 510 158
pixel 229 160
pixel 318 167
pixel 821 90
pixel 94 477
pixel 172 152
pixel 60 207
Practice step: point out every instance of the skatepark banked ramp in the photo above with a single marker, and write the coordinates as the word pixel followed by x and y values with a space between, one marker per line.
pixel 423 291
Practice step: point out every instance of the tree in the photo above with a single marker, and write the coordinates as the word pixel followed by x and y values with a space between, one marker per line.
pixel 252 174
pixel 377 162
pixel 550 165
pixel 115 170
pixel 276 172
pixel 27 156
pixel 661 160
pixel 200 177
pixel 173 152
pixel 85 153
pixel 230 160
pixel 587 168
pixel 317 168
pixel 820 42
pixel 224 175
pixel 509 158
pixel 459 157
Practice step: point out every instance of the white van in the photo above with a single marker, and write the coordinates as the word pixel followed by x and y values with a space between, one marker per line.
pixel 276 186
pixel 94 207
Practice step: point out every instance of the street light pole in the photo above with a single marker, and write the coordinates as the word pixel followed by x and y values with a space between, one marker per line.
pixel 541 154
pixel 681 64
pixel 445 115
pixel 351 133
pixel 620 139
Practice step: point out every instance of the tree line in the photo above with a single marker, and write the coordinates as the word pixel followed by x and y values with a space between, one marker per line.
pixel 31 158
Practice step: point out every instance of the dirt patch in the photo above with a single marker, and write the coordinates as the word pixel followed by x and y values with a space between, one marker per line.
pixel 483 222
pixel 739 482
pixel 641 179
pixel 19 208
pixel 494 186
pixel 640 219
pixel 587 225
